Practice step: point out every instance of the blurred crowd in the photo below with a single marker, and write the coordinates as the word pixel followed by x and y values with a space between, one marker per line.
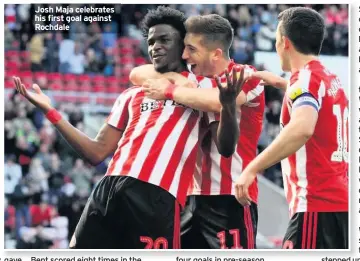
pixel 46 183
pixel 88 48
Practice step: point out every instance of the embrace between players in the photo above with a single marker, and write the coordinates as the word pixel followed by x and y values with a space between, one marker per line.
pixel 184 142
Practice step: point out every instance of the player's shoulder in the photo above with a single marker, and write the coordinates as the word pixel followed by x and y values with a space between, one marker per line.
pixel 129 92
pixel 202 81
pixel 132 90
pixel 249 68
pixel 311 79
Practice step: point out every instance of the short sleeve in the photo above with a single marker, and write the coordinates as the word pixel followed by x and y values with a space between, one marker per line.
pixel 308 89
pixel 119 114
pixel 252 88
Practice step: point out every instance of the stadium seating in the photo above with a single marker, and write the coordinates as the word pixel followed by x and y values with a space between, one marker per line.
pixel 127 55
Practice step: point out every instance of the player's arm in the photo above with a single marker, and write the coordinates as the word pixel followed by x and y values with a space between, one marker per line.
pixel 139 75
pixel 269 78
pixel 156 86
pixel 92 150
pixel 306 100
pixel 292 137
pixel 203 99
pixel 225 132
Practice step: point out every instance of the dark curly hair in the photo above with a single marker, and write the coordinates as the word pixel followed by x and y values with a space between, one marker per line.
pixel 164 15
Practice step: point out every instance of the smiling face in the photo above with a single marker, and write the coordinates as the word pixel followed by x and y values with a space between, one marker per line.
pixel 165 48
pixel 198 56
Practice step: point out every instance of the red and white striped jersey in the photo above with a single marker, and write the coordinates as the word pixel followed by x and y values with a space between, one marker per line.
pixel 316 176
pixel 160 141
pixel 217 174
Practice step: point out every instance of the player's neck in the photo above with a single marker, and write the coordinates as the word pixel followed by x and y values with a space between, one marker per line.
pixel 221 66
pixel 179 68
pixel 299 61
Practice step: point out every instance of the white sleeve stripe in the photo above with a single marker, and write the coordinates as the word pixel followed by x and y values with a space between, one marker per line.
pixel 248 69
pixel 321 92
pixel 304 80
pixel 254 92
pixel 118 108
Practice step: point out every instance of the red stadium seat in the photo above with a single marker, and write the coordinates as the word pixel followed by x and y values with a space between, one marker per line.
pixel 100 100
pixel 38 75
pixel 100 88
pixel 55 87
pixel 9 84
pixel 118 59
pixel 25 55
pixel 72 87
pixel 12 65
pixel 25 66
pixel 111 80
pixel 105 101
pixel 124 42
pixel 25 75
pixel 12 55
pixel 10 73
pixel 28 83
pixel 113 89
pixel 85 88
pixel 127 60
pixel 54 77
pixel 111 101
pixel 69 78
pixel 83 99
pixel 82 78
pixel 65 98
pixel 98 79
pixel 124 80
pixel 126 51
pixel 140 61
pixel 125 72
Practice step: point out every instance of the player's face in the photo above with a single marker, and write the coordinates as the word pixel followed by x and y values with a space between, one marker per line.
pixel 165 47
pixel 197 56
pixel 281 51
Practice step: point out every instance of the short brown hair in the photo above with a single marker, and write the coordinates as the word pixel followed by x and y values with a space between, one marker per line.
pixel 304 27
pixel 214 28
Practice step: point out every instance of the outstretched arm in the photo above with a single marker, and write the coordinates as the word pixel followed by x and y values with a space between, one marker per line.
pixel 269 78
pixel 92 150
pixel 139 75
pixel 155 85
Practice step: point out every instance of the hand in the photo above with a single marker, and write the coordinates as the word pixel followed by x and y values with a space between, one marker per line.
pixel 155 88
pixel 38 98
pixel 257 75
pixel 231 90
pixel 242 185
pixel 268 79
